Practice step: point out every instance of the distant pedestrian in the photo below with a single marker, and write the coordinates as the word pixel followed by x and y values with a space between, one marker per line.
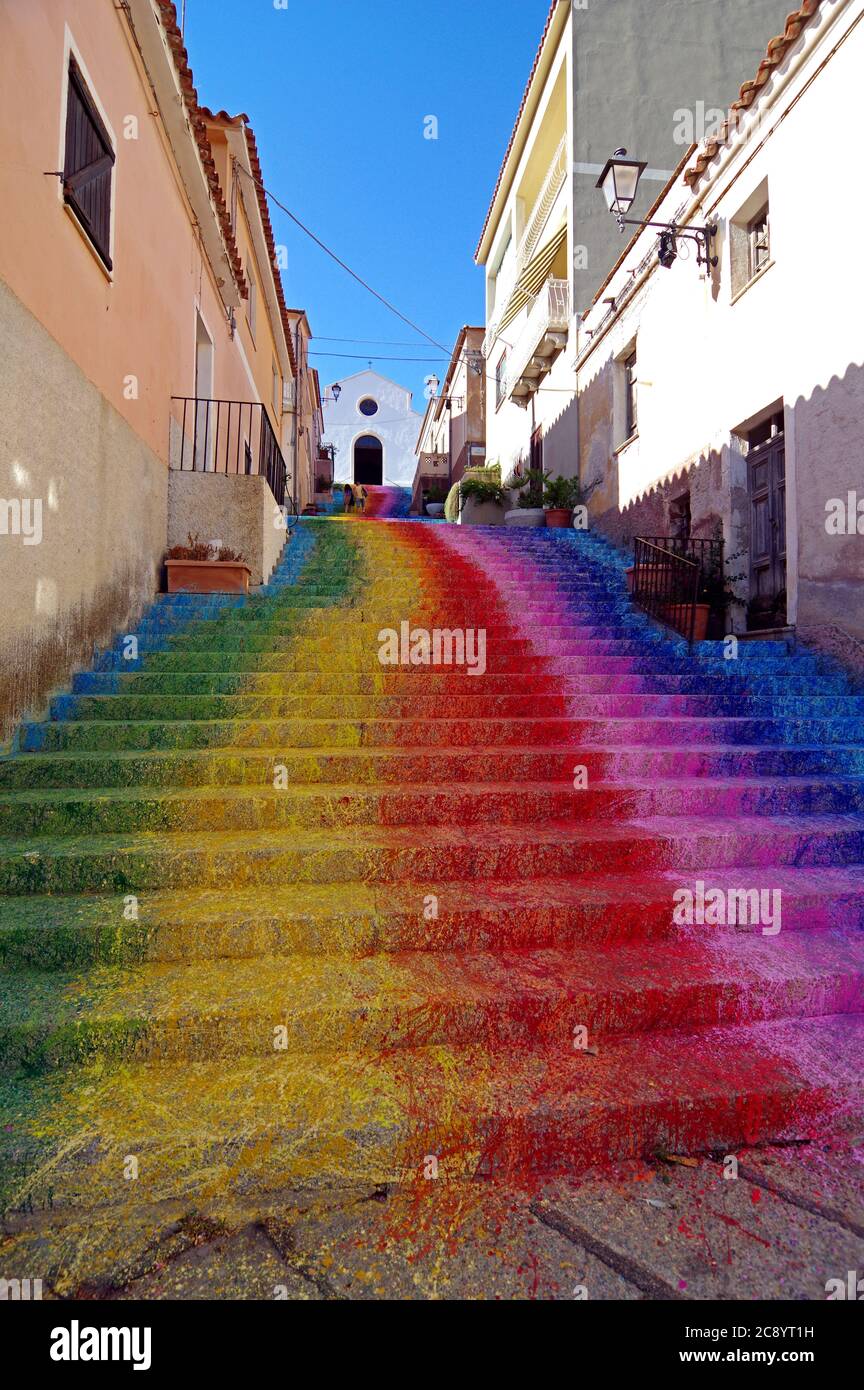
pixel 349 497
pixel 363 495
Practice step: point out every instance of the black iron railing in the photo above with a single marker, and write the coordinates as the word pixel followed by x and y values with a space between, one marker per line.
pixel 666 584
pixel 707 552
pixel 233 437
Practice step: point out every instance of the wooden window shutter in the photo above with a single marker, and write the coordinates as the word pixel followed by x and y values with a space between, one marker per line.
pixel 88 164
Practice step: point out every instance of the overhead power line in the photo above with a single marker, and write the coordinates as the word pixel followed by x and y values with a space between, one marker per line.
pixel 376 357
pixel 338 259
pixel 490 376
pixel 373 342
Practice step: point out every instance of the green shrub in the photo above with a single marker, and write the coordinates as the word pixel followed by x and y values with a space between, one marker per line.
pixel 562 493
pixel 531 488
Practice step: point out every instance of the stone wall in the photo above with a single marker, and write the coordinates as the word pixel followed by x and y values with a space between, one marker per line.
pixel 82 517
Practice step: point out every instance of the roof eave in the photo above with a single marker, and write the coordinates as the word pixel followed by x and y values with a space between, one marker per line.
pixel 556 22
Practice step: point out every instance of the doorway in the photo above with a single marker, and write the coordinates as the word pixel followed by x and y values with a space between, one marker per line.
pixel 536 454
pixel 369 460
pixel 766 483
pixel 204 425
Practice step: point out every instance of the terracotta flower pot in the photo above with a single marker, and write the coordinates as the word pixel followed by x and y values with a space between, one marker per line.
pixel 678 616
pixel 559 518
pixel 656 576
pixel 700 627
pixel 207 577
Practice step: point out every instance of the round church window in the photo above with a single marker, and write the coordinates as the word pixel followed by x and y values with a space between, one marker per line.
pixel 368 406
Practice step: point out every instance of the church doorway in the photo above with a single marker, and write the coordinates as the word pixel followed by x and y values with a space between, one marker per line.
pixel 369 460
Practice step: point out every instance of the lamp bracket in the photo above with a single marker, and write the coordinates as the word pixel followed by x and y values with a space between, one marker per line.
pixel 703 237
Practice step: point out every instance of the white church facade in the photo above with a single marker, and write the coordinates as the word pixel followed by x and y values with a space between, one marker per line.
pixel 374 429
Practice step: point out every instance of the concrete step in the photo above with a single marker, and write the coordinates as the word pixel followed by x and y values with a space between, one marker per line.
pixel 590 910
pixel 147 862
pixel 256 766
pixel 473 698
pixel 229 1009
pixel 484 805
pixel 104 735
pixel 294 1120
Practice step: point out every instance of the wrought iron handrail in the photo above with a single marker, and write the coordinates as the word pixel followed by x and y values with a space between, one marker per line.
pixel 232 437
pixel 666 585
pixel 704 549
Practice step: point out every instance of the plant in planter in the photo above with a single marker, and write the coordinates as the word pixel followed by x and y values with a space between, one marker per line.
pixel 560 497
pixel 434 499
pixel 717 595
pixel 481 502
pixel 201 568
pixel 529 508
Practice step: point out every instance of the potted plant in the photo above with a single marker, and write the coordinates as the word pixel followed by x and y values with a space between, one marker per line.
pixel 435 499
pixel 198 567
pixel 560 497
pixel 481 502
pixel 529 509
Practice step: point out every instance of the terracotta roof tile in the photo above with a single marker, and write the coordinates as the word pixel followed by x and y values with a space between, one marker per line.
pixel 774 55
pixel 522 105
pixel 168 13
pixel 242 121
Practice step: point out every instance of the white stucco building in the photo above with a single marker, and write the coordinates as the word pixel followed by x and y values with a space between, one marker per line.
pixel 374 428
pixel 730 402
pixel 624 72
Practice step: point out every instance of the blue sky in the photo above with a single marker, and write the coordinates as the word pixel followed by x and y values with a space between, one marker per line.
pixel 337 92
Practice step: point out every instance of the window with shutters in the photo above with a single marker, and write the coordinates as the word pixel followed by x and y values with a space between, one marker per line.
pixel 88 165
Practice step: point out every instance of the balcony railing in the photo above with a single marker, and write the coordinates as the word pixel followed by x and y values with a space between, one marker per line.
pixel 553 182
pixel 542 209
pixel 542 338
pixel 232 437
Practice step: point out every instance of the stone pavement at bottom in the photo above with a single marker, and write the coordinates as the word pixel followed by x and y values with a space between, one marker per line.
pixel 791 1221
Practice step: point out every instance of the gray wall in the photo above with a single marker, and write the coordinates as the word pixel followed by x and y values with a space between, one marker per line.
pixel 239 511
pixel 103 499
pixel 637 62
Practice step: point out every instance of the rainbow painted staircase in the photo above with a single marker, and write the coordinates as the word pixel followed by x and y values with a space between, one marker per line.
pixel 275 915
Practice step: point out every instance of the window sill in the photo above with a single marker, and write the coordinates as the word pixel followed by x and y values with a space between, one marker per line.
pixel 622 448
pixel 755 280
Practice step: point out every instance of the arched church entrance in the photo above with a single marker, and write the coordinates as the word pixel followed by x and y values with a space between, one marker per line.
pixel 369 460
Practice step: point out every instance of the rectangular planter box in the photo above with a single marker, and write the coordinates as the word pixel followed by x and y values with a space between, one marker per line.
pixel 207 577
pixel 481 513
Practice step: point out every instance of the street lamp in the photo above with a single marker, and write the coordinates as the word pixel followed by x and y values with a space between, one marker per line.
pixel 336 391
pixel 620 182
